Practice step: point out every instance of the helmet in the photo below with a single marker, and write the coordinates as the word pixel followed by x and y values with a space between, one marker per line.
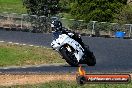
pixel 56 24
pixel 54 18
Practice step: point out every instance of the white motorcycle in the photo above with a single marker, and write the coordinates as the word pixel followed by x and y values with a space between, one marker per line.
pixel 71 50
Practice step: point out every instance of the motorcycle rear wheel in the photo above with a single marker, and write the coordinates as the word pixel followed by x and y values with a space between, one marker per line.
pixel 91 61
pixel 69 57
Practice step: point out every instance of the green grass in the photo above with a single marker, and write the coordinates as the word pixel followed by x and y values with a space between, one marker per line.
pixel 16 55
pixel 69 84
pixel 12 6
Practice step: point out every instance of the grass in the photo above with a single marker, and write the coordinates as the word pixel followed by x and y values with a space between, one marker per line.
pixel 73 84
pixel 16 55
pixel 12 6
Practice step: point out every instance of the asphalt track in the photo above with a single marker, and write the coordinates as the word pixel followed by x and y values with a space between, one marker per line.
pixel 113 55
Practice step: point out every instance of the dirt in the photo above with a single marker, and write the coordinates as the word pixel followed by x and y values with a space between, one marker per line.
pixel 10 80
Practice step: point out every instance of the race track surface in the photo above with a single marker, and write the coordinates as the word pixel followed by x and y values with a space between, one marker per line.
pixel 113 55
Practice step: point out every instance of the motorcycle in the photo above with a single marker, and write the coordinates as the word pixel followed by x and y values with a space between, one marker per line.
pixel 70 47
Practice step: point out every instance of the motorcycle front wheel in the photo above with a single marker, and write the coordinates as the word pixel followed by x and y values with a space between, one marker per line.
pixel 69 57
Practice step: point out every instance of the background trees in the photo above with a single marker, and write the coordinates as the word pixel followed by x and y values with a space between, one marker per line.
pixel 42 7
pixel 125 16
pixel 99 10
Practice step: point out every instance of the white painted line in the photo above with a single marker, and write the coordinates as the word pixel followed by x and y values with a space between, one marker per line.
pixel 38 66
pixel 6 68
pixel 10 42
pixel 20 44
pixel 31 45
pixel 23 44
pixel 2 41
pixel 28 66
pixel 16 43
pixel 36 46
pixel 24 67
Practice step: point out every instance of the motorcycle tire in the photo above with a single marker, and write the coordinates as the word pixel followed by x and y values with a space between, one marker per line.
pixel 91 61
pixel 69 57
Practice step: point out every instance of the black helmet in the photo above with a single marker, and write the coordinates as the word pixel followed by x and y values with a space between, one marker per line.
pixel 54 18
pixel 56 24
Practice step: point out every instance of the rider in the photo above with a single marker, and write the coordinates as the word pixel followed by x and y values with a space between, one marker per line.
pixel 56 26
pixel 57 29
